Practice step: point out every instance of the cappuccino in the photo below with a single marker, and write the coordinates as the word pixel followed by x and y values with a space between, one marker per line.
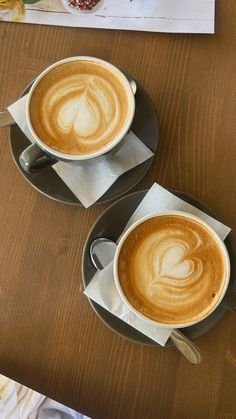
pixel 172 269
pixel 79 107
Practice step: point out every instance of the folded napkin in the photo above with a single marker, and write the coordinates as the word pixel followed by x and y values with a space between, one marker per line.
pixel 20 402
pixel 102 289
pixel 89 180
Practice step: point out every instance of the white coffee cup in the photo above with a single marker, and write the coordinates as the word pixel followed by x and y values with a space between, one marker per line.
pixel 213 233
pixel 39 155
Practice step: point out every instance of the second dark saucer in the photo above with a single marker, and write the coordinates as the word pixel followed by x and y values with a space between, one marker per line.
pixel 110 225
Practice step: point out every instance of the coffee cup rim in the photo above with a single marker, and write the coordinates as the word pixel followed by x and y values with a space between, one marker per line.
pixel 116 276
pixel 117 139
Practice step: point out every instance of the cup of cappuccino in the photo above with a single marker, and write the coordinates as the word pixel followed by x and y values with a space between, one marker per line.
pixel 171 269
pixel 77 109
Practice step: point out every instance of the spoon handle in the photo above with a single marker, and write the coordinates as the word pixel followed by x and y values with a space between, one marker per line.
pixel 186 347
pixel 6 119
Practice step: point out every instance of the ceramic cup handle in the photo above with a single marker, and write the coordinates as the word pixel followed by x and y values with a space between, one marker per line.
pixel 33 159
pixel 6 119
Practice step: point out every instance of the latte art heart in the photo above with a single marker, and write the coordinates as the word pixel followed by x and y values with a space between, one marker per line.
pixel 80 116
pixel 171 269
pixel 170 264
pixel 79 107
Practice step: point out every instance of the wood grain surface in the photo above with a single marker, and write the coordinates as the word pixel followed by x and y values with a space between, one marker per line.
pixel 50 338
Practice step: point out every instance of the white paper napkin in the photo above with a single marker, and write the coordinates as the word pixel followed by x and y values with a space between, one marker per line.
pixel 91 179
pixel 102 289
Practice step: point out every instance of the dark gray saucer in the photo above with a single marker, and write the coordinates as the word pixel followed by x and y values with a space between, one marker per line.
pixel 110 225
pixel 145 126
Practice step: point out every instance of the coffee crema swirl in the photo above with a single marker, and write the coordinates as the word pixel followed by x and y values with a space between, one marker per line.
pixel 79 107
pixel 172 269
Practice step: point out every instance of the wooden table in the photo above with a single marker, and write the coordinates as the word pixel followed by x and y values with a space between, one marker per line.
pixel 51 340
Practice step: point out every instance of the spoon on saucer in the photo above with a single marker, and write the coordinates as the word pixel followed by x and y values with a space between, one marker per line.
pixel 102 251
pixel 6 119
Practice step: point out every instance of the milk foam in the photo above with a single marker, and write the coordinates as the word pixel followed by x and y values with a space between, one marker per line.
pixel 166 261
pixel 172 271
pixel 79 111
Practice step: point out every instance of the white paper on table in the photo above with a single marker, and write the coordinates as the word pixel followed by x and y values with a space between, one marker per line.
pixel 89 180
pixel 102 288
pixel 189 16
